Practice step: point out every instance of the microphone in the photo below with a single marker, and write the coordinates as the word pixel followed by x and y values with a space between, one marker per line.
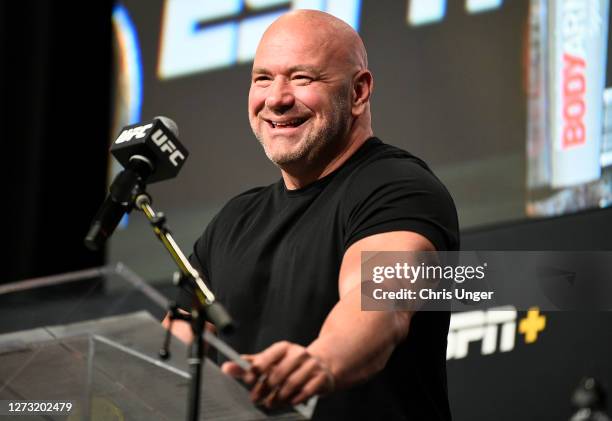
pixel 150 152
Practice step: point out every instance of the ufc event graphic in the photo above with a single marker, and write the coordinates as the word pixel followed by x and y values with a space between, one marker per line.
pixel 541 151
pixel 507 101
pixel 119 223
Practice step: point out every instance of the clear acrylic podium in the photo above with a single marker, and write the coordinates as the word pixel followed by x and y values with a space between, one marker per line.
pixel 109 368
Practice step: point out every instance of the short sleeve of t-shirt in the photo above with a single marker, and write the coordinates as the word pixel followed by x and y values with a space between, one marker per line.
pixel 400 194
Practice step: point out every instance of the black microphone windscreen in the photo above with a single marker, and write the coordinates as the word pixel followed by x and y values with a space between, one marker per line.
pixel 169 123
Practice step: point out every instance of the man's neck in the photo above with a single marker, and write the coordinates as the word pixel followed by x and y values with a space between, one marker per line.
pixel 303 175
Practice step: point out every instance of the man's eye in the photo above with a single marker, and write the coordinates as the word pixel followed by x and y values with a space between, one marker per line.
pixel 261 79
pixel 302 78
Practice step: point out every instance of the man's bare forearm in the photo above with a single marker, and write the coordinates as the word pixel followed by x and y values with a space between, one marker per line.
pixel 357 344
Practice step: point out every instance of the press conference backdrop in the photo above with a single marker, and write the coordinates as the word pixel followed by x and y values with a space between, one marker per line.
pixel 506 100
pixel 463 84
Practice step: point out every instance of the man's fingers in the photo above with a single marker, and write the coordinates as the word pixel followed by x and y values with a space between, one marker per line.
pixel 232 369
pixel 263 361
pixel 274 364
pixel 296 380
pixel 270 401
pixel 261 389
pixel 282 372
pixel 310 389
pixel 295 356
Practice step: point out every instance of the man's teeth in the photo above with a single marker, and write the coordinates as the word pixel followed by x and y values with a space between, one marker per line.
pixel 286 123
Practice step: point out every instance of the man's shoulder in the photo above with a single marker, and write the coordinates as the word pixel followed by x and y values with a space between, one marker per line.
pixel 384 163
pixel 377 150
pixel 392 190
pixel 233 210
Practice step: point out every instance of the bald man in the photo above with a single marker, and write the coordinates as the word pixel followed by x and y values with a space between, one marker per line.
pixel 285 259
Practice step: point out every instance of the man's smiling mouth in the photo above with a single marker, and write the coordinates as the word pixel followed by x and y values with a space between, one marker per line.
pixel 279 124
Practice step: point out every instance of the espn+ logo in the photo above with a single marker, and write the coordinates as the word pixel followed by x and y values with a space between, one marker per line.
pixel 494 328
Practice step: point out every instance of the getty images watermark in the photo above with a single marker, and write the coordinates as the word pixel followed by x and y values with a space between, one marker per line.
pixel 435 281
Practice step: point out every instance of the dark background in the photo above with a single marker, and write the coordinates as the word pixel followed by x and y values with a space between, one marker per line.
pixel 56 90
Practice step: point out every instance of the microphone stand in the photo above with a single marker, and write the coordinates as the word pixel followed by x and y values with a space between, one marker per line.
pixel 204 308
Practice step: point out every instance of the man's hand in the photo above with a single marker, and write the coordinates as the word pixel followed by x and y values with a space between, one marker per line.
pixel 285 373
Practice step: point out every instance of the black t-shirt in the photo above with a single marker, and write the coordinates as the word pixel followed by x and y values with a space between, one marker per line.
pixel 272 257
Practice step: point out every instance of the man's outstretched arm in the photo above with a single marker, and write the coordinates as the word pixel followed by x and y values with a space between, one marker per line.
pixel 352 346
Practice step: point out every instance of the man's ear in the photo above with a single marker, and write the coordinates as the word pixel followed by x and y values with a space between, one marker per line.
pixel 363 86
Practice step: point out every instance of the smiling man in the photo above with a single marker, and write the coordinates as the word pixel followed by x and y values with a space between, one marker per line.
pixel 300 99
pixel 285 259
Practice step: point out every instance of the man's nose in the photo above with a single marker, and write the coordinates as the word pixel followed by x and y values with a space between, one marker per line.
pixel 280 96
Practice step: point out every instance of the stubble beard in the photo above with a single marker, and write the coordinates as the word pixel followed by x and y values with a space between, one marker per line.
pixel 315 143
